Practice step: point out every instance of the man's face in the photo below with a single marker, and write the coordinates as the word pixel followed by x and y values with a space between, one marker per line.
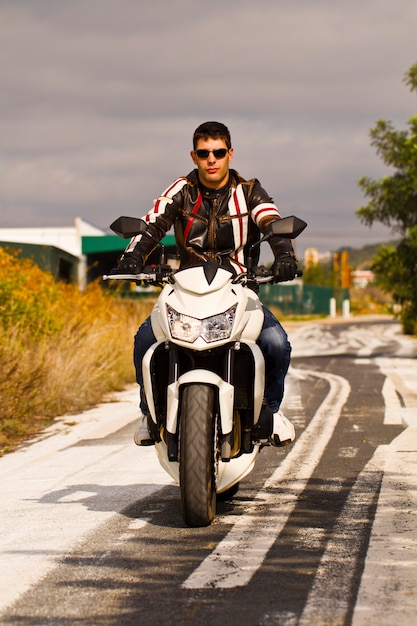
pixel 213 171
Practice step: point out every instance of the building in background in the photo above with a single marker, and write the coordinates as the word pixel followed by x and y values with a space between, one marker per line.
pixel 362 278
pixel 311 257
pixel 79 253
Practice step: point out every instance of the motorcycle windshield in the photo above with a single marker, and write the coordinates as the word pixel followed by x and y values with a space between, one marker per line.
pixel 198 281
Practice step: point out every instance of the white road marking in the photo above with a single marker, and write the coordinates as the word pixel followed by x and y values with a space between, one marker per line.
pixel 393 408
pixel 278 618
pixel 387 594
pixel 328 603
pixel 240 554
pixel 401 381
pixel 54 492
pixel 347 453
pixel 312 339
pixel 390 569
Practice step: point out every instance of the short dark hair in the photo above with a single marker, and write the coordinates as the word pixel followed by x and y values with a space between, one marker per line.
pixel 214 130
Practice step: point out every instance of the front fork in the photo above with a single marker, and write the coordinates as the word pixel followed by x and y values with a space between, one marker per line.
pixel 235 427
pixel 225 400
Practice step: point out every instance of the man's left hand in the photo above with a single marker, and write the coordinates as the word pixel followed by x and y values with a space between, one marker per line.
pixel 284 268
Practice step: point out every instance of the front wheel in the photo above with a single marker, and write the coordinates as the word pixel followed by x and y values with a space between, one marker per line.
pixel 197 462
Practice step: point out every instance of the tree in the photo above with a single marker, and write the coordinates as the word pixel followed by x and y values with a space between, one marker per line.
pixel 318 274
pixel 393 202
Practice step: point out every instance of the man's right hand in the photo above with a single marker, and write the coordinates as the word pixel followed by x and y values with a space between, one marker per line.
pixel 129 264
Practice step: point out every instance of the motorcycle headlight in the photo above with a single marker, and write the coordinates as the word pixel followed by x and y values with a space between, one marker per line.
pixel 214 328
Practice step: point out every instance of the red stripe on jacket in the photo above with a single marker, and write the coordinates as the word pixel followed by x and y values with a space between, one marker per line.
pixel 191 219
pixel 238 212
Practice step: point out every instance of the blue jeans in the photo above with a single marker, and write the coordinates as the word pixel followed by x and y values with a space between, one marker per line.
pixel 273 342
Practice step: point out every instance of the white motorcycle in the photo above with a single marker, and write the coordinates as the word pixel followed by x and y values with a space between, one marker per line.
pixel 204 376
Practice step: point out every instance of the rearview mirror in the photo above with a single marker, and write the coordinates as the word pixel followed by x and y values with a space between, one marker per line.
pixel 288 227
pixel 128 227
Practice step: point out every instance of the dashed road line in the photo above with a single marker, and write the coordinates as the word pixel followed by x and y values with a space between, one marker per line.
pixel 240 554
pixel 327 603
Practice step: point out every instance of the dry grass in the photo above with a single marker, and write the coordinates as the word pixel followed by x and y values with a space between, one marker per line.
pixel 61 351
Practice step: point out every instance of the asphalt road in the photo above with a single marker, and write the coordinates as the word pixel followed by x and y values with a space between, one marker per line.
pixel 321 533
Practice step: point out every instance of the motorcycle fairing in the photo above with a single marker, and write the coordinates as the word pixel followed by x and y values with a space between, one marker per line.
pixel 227 473
pixel 226 389
pixel 188 296
pixel 204 278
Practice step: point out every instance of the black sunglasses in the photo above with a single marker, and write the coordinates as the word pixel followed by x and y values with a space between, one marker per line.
pixel 220 153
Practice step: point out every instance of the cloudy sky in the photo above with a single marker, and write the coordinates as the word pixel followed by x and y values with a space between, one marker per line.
pixel 99 100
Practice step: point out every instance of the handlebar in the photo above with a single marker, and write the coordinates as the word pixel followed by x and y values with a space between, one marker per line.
pixel 131 277
pixel 164 275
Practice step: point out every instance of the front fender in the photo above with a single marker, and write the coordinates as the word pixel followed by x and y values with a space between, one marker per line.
pixel 201 376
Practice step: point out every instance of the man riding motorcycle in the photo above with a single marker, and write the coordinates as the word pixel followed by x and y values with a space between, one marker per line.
pixel 217 215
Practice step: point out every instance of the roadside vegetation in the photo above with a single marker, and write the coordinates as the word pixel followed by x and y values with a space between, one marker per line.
pixel 61 351
pixel 392 201
pixel 364 300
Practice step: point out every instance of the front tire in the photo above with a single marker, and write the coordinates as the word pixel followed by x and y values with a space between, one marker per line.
pixel 197 462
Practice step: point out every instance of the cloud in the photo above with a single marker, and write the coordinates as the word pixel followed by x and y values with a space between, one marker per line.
pixel 100 99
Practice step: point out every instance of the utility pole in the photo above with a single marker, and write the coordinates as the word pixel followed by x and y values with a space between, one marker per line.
pixel 346 271
pixel 342 270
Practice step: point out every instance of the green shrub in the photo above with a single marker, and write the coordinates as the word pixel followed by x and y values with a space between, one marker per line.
pixel 61 351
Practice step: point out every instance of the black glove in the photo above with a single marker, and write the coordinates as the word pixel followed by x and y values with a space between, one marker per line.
pixel 129 264
pixel 284 268
pixel 261 271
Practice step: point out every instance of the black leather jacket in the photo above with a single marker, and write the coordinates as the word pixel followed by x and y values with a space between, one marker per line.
pixel 211 224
